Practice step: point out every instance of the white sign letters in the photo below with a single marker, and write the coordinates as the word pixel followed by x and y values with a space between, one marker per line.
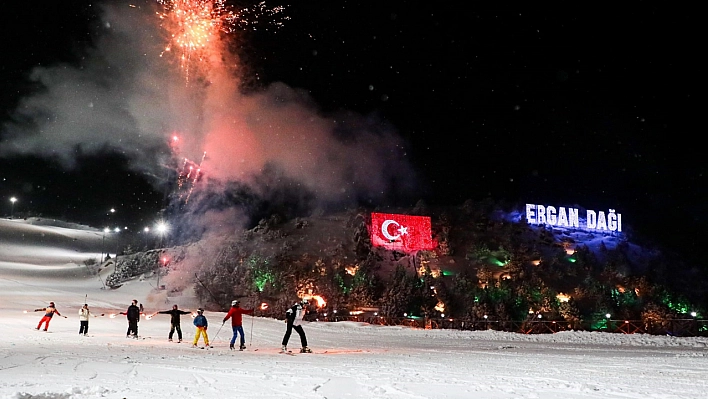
pixel 568 217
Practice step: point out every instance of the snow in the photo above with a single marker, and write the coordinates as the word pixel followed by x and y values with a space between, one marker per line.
pixel 351 360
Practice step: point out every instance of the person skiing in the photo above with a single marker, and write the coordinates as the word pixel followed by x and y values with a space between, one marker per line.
pixel 84 314
pixel 200 322
pixel 49 312
pixel 235 314
pixel 133 316
pixel 293 318
pixel 175 314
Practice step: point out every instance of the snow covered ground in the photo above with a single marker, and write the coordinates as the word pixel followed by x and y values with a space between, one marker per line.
pixel 39 264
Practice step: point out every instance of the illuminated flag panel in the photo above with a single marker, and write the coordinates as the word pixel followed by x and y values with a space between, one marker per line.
pixel 401 232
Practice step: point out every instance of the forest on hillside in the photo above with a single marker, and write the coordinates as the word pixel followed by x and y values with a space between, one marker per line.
pixel 483 268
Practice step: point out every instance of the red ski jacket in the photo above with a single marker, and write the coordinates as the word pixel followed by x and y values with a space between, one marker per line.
pixel 235 315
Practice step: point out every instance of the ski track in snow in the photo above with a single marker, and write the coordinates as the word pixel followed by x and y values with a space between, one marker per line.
pixel 351 360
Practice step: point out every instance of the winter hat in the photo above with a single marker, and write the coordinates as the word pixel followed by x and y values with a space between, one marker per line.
pixel 235 302
pixel 51 303
pixel 200 310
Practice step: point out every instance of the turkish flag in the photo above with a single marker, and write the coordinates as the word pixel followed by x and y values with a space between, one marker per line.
pixel 401 232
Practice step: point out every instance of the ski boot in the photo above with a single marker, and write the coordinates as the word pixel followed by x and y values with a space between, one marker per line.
pixel 305 349
pixel 284 349
pixel 231 346
pixel 169 339
pixel 179 341
pixel 242 347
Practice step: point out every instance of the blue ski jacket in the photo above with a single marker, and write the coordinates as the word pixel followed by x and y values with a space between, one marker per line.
pixel 200 321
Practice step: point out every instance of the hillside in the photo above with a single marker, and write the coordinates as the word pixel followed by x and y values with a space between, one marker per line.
pixel 485 264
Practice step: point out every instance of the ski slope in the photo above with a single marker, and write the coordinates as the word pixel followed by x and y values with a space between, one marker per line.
pixel 351 360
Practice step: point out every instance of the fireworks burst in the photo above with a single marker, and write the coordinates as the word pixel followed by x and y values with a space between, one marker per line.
pixel 261 16
pixel 195 26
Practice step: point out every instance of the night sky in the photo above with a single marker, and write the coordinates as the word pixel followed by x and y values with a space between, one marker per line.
pixel 554 104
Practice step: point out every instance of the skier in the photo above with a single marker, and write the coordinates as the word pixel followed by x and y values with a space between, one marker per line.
pixel 201 323
pixel 236 320
pixel 133 315
pixel 293 318
pixel 50 310
pixel 84 314
pixel 175 314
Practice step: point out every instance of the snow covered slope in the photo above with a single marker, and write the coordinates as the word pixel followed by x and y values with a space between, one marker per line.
pixel 351 360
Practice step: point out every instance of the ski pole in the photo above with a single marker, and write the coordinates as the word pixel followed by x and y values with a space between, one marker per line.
pixel 217 333
pixel 250 341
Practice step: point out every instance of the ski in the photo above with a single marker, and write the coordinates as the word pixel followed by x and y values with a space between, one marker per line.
pixel 331 352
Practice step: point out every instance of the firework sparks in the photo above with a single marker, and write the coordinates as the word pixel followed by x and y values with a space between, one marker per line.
pixel 261 16
pixel 195 26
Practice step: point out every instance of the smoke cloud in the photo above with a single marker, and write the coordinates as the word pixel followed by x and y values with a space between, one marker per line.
pixel 128 95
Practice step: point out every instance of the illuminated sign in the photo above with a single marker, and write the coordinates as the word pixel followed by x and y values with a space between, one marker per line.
pixel 401 232
pixel 568 217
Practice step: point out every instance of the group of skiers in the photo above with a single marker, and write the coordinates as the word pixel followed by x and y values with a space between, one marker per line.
pixel 293 318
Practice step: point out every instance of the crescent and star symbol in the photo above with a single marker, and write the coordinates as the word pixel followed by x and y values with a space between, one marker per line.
pixel 401 230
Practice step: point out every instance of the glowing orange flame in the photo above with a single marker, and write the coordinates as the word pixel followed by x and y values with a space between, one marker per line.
pixel 440 307
pixel 320 301
pixel 563 297
pixel 264 306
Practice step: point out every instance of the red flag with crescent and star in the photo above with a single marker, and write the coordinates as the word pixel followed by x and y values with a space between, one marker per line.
pixel 401 232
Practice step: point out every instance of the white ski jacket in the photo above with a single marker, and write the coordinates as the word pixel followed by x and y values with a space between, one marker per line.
pixel 84 314
pixel 297 311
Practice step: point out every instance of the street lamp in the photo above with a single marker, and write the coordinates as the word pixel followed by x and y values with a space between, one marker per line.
pixel 12 207
pixel 103 241
pixel 162 229
pixel 146 230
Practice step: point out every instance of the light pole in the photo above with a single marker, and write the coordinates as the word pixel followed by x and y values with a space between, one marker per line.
pixel 146 230
pixel 103 241
pixel 12 207
pixel 117 230
pixel 162 229
pixel 159 270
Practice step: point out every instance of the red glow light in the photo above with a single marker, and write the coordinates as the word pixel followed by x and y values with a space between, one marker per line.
pixel 401 232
